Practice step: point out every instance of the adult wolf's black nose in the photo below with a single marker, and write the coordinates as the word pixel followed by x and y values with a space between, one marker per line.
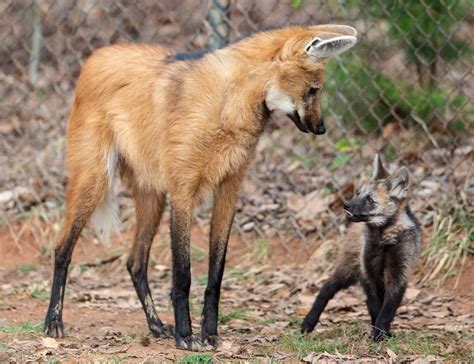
pixel 320 127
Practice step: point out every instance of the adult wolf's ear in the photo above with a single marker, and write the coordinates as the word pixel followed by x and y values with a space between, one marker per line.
pixel 379 170
pixel 336 28
pixel 398 183
pixel 323 46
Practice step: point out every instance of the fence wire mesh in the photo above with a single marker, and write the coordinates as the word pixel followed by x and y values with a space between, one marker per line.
pixel 405 91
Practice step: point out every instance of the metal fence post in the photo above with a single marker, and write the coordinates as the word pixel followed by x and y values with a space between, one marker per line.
pixel 218 20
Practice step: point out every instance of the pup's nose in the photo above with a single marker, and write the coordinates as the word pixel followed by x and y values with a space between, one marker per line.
pixel 346 206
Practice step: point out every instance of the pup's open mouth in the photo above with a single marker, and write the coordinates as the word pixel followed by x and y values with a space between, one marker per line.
pixel 348 213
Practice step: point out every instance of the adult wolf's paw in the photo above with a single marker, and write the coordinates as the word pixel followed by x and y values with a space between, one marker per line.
pixel 211 340
pixel 53 325
pixel 191 343
pixel 162 330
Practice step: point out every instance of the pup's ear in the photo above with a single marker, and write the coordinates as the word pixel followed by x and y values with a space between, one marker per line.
pixel 336 28
pixel 379 170
pixel 325 47
pixel 398 183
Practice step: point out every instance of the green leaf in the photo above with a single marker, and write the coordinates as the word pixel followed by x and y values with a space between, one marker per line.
pixel 340 161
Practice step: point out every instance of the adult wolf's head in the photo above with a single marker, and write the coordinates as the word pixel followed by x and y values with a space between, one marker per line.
pixel 379 200
pixel 297 84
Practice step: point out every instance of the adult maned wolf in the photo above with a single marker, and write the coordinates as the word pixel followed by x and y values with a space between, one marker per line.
pixel 168 123
pixel 381 249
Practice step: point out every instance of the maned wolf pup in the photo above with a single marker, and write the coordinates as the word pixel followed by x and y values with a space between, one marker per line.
pixel 379 253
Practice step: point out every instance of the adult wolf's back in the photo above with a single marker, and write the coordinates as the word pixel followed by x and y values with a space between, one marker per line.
pixel 183 127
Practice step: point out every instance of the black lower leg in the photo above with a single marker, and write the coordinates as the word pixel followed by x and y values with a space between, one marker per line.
pixel 149 207
pixel 53 323
pixel 140 282
pixel 212 295
pixel 222 217
pixel 327 292
pixel 374 304
pixel 393 298
pixel 180 230
pixel 217 254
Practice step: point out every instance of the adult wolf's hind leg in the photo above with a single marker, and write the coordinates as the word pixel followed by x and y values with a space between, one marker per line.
pixel 149 209
pixel 85 192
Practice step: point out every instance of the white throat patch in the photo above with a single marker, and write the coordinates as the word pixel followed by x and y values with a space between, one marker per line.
pixel 278 100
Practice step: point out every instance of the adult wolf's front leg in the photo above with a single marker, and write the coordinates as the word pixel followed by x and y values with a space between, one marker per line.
pixel 180 232
pixel 222 217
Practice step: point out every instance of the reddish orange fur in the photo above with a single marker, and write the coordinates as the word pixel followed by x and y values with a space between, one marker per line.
pixel 183 128
pixel 128 98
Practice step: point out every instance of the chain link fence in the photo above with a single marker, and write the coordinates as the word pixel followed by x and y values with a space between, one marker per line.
pixel 405 91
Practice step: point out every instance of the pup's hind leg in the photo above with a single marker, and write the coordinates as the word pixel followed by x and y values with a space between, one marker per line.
pixel 341 279
pixel 149 208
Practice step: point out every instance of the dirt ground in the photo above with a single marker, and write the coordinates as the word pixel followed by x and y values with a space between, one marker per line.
pixel 266 293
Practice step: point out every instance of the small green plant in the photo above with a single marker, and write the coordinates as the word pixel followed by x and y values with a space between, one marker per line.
pixel 196 359
pixel 303 345
pixel 53 360
pixel 24 328
pixel 261 250
pixel 27 267
pixel 238 313
pixel 197 253
pixel 202 281
pixel 38 292
pixel 340 161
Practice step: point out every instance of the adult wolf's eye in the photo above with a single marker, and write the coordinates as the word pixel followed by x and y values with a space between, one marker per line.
pixel 313 91
pixel 358 193
pixel 370 200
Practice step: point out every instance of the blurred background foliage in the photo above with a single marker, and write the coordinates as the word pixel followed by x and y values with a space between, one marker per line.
pixel 426 32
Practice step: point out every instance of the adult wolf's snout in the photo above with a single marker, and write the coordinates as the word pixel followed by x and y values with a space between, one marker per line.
pixel 320 127
pixel 295 117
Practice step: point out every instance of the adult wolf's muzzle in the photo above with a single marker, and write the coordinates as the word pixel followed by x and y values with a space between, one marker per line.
pixel 295 117
pixel 307 125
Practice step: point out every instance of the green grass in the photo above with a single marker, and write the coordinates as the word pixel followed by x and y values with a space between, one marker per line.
pixel 26 327
pixel 451 241
pixel 238 313
pixel 40 293
pixel 27 267
pixel 261 250
pixel 197 253
pixel 3 346
pixel 352 339
pixel 53 360
pixel 237 273
pixel 196 359
pixel 202 281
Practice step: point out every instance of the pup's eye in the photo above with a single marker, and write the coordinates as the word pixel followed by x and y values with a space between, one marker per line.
pixel 370 199
pixel 313 91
